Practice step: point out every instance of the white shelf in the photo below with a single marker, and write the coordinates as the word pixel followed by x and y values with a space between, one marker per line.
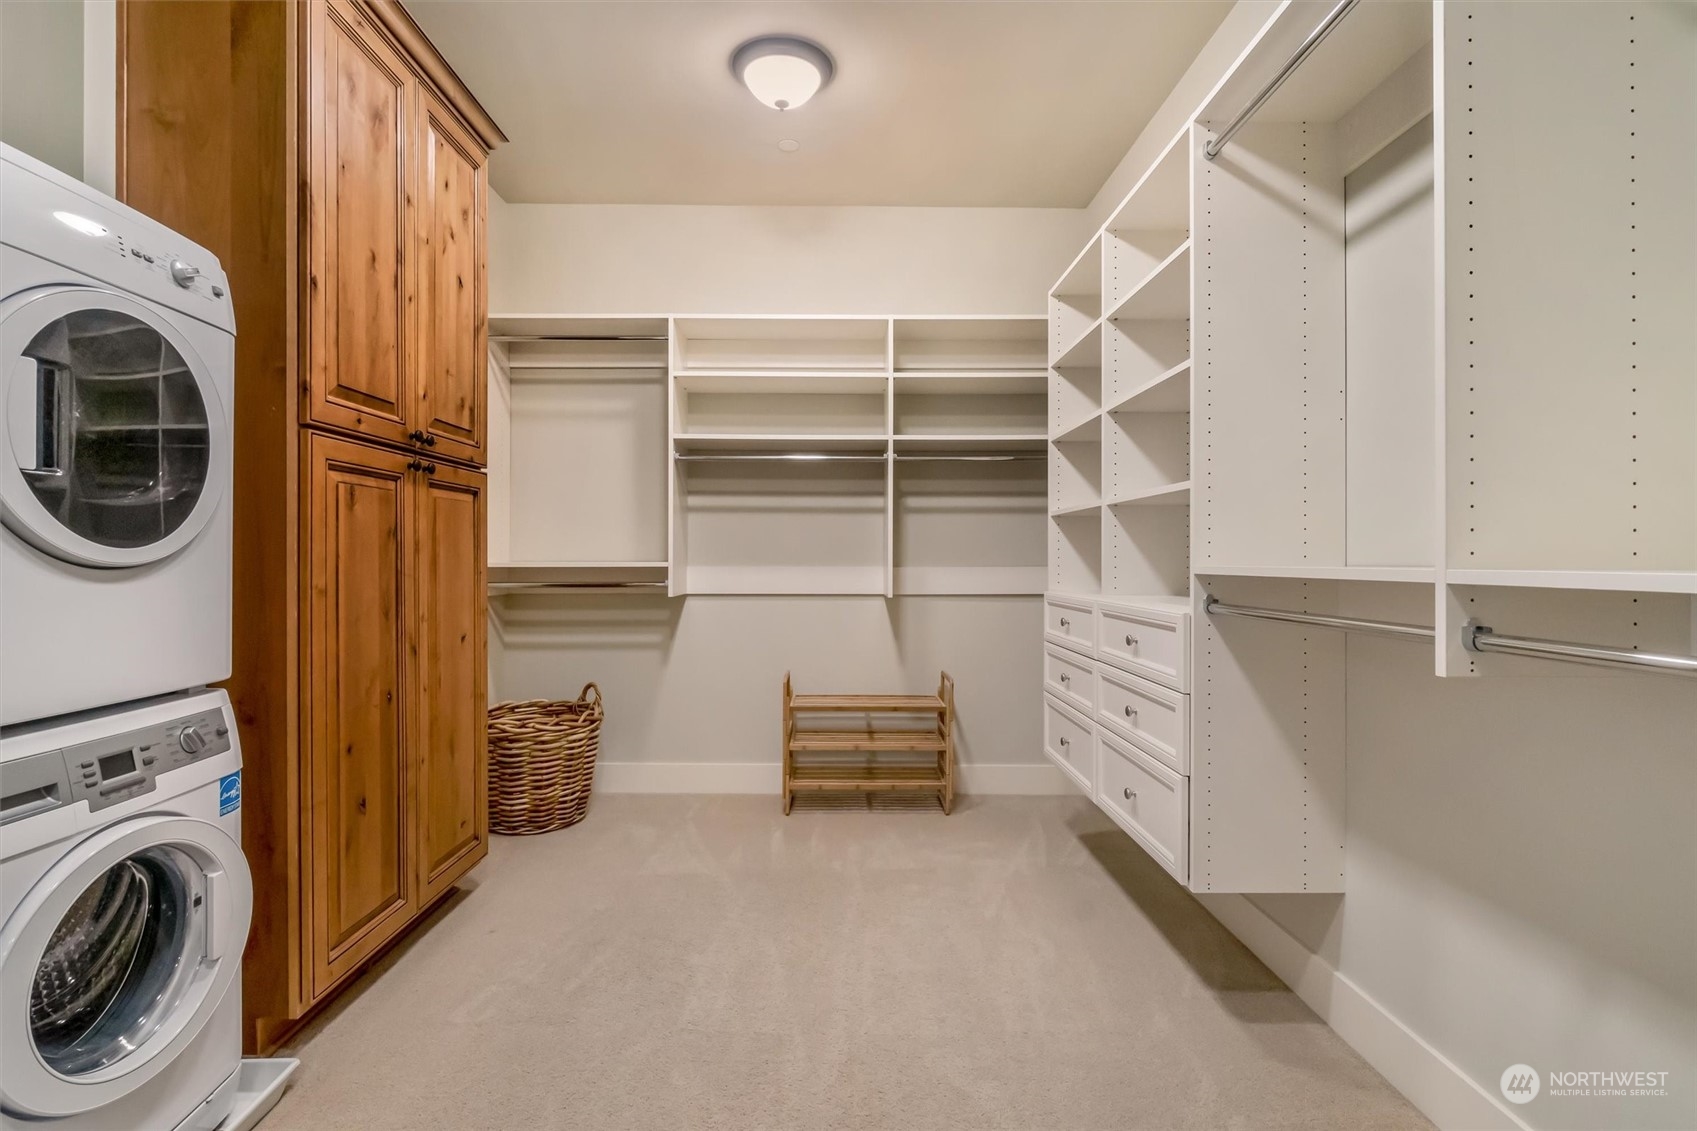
pixel 984 382
pixel 1168 495
pixel 1072 511
pixel 1163 293
pixel 575 573
pixel 1170 392
pixel 779 382
pixel 1086 431
pixel 1085 352
pixel 1620 581
pixel 1165 602
pixel 1414 575
pixel 874 443
pixel 629 326
pixel 981 442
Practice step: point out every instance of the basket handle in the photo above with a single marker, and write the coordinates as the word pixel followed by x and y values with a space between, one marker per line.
pixel 583 696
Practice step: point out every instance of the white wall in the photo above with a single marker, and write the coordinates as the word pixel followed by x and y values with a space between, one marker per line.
pixel 693 685
pixel 720 259
pixel 1522 883
pixel 41 80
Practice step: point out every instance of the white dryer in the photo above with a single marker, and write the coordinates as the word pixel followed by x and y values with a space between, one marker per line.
pixel 117 360
pixel 124 906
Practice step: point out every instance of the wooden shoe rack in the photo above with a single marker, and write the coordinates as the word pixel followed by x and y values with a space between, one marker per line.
pixel 908 742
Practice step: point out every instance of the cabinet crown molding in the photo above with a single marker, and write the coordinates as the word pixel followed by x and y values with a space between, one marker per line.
pixel 398 22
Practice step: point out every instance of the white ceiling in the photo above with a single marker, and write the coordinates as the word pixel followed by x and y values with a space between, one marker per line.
pixel 965 103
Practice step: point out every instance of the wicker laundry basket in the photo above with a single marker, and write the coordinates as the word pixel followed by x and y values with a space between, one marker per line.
pixel 542 762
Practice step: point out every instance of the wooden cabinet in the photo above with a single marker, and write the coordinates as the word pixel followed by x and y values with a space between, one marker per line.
pixel 451 389
pixel 360 264
pixel 396 292
pixel 396 708
pixel 448 685
pixel 359 539
pixel 339 169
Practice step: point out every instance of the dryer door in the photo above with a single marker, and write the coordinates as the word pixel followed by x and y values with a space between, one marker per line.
pixel 116 446
pixel 116 959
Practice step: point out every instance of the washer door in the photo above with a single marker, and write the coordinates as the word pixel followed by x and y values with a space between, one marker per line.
pixel 116 442
pixel 115 961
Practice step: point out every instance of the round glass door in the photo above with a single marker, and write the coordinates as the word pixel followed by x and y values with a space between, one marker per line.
pixel 116 434
pixel 115 960
pixel 118 963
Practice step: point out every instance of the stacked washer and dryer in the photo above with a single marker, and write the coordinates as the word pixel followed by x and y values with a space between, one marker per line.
pixel 124 898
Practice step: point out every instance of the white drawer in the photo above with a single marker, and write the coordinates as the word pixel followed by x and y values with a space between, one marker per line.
pixel 1147 800
pixel 1071 677
pixel 1070 742
pixel 1069 622
pixel 1153 643
pixel 1156 718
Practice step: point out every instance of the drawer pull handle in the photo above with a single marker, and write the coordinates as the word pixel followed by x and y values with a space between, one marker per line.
pixel 1065 678
pixel 1065 622
pixel 1130 641
pixel 1064 742
pixel 1131 712
pixel 1130 794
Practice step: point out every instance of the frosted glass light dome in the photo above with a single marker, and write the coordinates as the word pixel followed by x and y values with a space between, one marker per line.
pixel 782 71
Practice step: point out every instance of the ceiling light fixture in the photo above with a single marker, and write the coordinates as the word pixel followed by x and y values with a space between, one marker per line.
pixel 783 71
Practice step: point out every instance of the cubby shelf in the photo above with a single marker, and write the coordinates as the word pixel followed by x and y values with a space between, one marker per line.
pixel 1086 431
pixel 1085 352
pixel 585 574
pixel 1163 293
pixel 1077 509
pixel 1166 495
pixel 1169 392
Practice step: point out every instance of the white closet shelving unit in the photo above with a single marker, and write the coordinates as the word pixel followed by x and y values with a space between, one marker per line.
pixel 578 453
pixel 857 455
pixel 866 456
pixel 1416 338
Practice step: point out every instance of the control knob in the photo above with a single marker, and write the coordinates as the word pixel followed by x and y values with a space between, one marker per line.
pixel 183 274
pixel 191 740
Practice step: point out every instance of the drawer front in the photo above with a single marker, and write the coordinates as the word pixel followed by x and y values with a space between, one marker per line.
pixel 1146 799
pixel 1146 642
pixel 1069 742
pixel 1071 677
pixel 1155 717
pixel 1070 623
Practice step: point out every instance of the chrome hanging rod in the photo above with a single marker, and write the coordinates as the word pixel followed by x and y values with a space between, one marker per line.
pixel 1481 638
pixel 1475 637
pixel 1212 606
pixel 763 457
pixel 991 457
pixel 1315 38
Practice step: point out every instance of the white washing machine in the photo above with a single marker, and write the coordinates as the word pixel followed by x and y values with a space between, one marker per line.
pixel 117 361
pixel 124 906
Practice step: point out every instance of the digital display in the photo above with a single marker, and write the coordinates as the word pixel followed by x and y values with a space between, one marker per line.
pixel 117 765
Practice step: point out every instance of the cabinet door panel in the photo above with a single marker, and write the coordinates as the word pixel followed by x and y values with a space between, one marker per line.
pixel 449 741
pixel 358 828
pixel 453 343
pixel 358 285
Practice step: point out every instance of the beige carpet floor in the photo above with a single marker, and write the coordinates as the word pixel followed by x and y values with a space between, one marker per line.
pixel 705 962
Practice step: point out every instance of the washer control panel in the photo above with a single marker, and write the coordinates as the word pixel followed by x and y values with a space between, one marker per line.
pixel 109 770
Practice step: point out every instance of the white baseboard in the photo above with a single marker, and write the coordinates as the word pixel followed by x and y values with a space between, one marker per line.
pixel 1446 1095
pixel 1018 779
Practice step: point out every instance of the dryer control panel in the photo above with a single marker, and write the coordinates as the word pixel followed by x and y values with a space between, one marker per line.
pixel 111 769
